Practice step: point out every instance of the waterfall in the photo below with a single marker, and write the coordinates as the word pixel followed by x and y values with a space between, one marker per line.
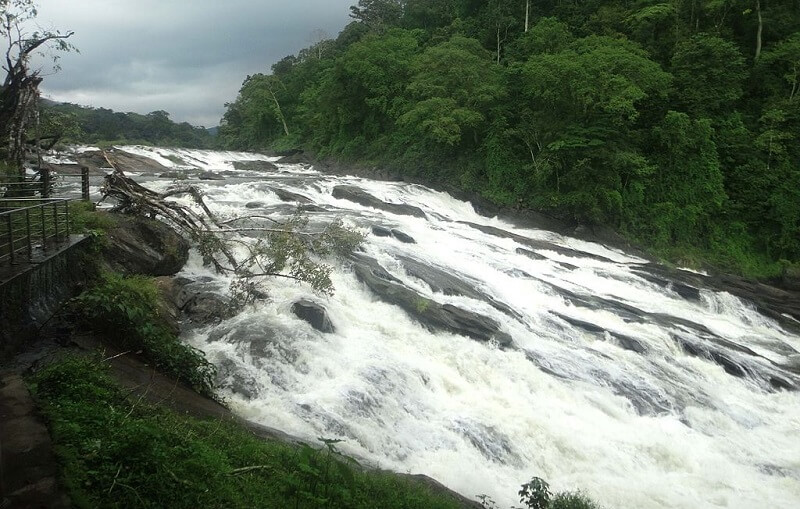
pixel 589 368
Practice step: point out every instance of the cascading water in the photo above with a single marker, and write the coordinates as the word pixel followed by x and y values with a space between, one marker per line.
pixel 639 394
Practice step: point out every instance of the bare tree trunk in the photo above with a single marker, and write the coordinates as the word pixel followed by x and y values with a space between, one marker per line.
pixel 527 14
pixel 760 30
pixel 498 44
pixel 279 110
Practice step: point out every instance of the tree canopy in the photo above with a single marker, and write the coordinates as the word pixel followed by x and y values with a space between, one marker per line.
pixel 676 123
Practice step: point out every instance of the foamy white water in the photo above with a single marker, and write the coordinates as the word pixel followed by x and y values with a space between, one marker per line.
pixel 574 399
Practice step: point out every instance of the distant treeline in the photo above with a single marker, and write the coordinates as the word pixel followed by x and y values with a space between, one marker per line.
pixel 676 122
pixel 81 124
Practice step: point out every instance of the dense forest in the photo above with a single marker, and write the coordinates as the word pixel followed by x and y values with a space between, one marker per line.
pixel 675 122
pixel 81 124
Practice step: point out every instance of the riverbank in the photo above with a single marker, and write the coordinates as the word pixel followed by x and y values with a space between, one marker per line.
pixel 602 343
pixel 152 434
pixel 787 278
pixel 777 298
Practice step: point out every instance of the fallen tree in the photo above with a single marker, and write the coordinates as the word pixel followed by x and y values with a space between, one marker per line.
pixel 251 247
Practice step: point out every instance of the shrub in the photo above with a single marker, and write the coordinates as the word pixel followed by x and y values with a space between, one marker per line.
pixel 120 452
pixel 127 307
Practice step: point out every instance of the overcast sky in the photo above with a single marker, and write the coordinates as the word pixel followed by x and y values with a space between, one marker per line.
pixel 187 57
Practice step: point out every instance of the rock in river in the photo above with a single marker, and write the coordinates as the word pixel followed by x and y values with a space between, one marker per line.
pixel 356 195
pixel 314 314
pixel 427 311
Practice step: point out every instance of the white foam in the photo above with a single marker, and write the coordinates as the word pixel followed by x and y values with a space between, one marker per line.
pixel 485 420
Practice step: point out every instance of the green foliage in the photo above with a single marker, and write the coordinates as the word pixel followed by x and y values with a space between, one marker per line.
pixel 536 494
pixel 85 219
pixel 650 117
pixel 127 308
pixel 709 73
pixel 120 452
pixel 80 124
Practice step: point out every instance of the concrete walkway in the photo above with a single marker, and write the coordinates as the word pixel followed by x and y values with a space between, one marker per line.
pixel 28 468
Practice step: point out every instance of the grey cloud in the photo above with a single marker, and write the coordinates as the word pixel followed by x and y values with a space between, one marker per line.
pixel 187 57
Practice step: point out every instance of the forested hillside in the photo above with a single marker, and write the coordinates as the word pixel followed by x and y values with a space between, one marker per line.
pixel 80 124
pixel 675 122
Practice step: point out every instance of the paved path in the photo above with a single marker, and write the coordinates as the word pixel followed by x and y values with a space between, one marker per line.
pixel 28 469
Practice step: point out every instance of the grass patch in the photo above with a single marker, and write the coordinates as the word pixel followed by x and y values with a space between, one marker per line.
pixel 117 453
pixel 127 310
pixel 85 219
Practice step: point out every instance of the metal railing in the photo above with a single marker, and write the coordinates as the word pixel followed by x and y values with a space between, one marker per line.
pixel 44 186
pixel 31 226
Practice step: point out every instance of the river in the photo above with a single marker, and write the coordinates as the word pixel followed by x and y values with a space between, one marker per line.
pixel 588 370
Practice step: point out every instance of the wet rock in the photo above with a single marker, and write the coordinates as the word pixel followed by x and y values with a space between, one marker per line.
pixel 288 152
pixel 530 254
pixel 491 443
pixel 535 244
pixel 380 231
pixel 138 245
pixel 780 304
pixel 629 343
pixel 314 314
pixel 403 237
pixel 254 166
pixel 289 196
pixel 207 307
pixel 92 159
pixel 626 342
pixel 175 175
pixel 356 195
pixel 311 208
pixel 581 324
pixel 169 308
pixel 255 205
pixel 128 162
pixel 444 282
pixel 790 279
pixel 430 313
pixel 230 374
pixel 201 300
pixel 210 175
pixel 684 290
pixel 298 157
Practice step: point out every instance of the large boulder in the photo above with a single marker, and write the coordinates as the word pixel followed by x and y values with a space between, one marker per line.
pixel 790 280
pixel 138 245
pixel 254 166
pixel 356 195
pixel 201 301
pixel 295 157
pixel 314 314
pixel 403 237
pixel 428 312
pixel 288 196
pixel 210 175
pixel 128 162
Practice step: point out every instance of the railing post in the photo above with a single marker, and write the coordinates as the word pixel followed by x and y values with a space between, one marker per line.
pixel 66 217
pixel 28 233
pixel 85 183
pixel 44 227
pixel 45 176
pixel 55 218
pixel 10 226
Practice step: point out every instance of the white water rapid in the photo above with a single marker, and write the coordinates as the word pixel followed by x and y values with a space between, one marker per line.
pixel 641 395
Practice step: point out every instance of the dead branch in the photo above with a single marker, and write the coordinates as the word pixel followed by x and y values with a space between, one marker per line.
pixel 215 238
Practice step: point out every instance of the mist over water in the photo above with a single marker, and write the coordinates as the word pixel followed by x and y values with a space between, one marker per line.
pixel 613 383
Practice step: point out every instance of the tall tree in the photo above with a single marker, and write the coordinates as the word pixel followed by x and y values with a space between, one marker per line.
pixel 20 89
